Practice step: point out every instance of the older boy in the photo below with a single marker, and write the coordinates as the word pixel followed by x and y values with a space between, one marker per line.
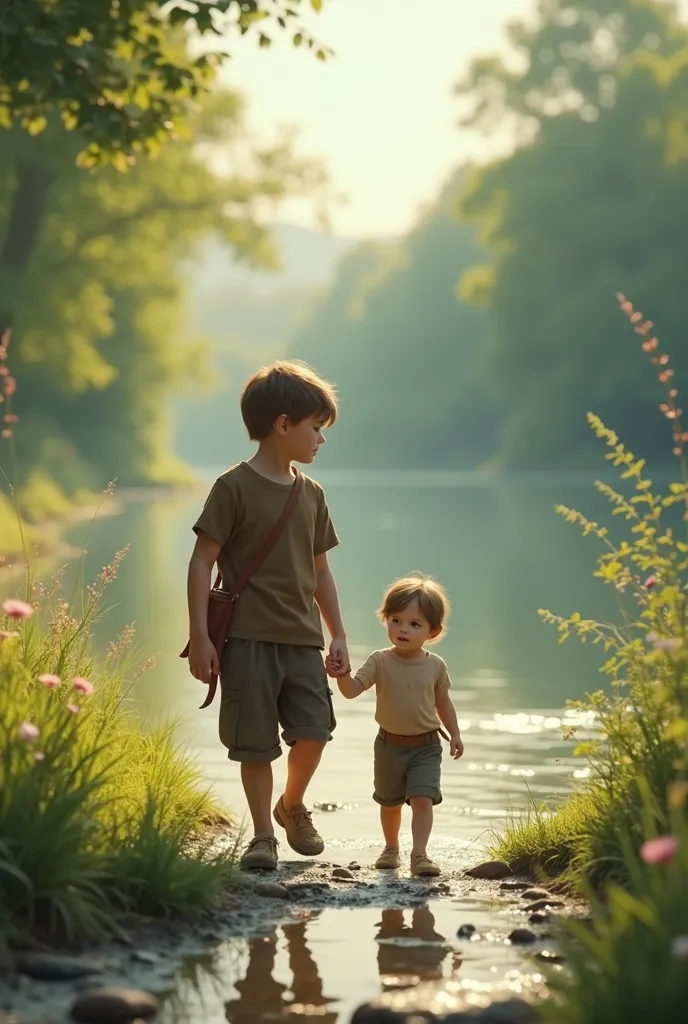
pixel 272 671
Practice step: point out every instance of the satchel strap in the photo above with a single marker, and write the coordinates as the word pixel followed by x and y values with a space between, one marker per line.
pixel 268 544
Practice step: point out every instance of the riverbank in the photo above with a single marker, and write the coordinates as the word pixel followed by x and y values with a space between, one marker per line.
pixel 466 942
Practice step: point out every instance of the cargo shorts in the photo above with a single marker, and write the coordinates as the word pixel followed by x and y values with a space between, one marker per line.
pixel 405 772
pixel 265 685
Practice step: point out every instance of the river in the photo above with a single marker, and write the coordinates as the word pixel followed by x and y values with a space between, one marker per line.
pixel 501 552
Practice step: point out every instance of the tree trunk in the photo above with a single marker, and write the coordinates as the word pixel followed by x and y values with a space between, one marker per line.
pixel 28 208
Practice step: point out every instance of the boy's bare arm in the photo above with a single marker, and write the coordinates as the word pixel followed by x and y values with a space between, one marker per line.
pixel 327 600
pixel 203 659
pixel 447 716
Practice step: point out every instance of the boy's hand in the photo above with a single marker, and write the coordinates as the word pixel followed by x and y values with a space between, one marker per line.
pixel 337 661
pixel 455 746
pixel 203 660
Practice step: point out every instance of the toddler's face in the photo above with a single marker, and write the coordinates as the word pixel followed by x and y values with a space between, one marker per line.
pixel 408 629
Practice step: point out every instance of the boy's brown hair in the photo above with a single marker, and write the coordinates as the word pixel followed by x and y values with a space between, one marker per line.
pixel 432 600
pixel 284 388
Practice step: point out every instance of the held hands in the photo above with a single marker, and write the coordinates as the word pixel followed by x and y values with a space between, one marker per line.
pixel 455 746
pixel 337 661
pixel 203 660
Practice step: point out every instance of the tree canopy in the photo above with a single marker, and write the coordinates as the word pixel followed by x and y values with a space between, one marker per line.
pixel 591 203
pixel 116 71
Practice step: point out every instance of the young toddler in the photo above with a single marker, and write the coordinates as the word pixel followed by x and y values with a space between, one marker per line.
pixel 412 698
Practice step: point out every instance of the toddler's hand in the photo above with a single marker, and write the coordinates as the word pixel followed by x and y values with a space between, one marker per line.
pixel 337 660
pixel 455 746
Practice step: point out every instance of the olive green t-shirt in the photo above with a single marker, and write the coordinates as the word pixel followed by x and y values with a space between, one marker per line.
pixel 406 690
pixel 277 605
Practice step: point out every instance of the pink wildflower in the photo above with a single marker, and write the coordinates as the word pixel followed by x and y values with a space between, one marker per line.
pixel 664 643
pixel 49 680
pixel 28 732
pixel 17 609
pixel 73 708
pixel 679 947
pixel 659 850
pixel 651 582
pixel 83 686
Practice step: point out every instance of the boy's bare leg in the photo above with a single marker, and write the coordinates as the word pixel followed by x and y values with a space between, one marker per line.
pixel 304 758
pixel 421 823
pixel 390 819
pixel 257 782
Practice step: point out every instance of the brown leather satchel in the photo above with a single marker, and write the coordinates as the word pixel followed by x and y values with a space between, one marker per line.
pixel 221 602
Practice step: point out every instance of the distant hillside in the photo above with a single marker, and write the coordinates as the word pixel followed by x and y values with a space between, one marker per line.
pixel 309 259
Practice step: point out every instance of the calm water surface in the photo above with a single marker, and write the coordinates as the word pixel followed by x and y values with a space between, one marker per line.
pixel 502 553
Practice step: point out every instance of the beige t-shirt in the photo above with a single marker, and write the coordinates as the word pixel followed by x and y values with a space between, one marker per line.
pixel 277 604
pixel 406 690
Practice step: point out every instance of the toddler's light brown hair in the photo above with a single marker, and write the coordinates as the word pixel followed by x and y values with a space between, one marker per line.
pixel 433 602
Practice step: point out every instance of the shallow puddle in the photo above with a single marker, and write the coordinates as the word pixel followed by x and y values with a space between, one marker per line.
pixel 327 962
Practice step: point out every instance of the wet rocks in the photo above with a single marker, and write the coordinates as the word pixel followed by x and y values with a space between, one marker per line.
pixel 535 894
pixel 114 1006
pixel 492 869
pixel 522 936
pixel 508 1011
pixel 542 905
pixel 466 931
pixel 540 918
pixel 343 874
pixel 56 967
pixel 271 890
pixel 549 956
pixel 514 886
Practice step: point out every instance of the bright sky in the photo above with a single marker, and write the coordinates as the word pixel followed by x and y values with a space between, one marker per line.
pixel 381 112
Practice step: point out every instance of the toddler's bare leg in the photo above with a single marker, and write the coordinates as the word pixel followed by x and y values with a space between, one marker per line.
pixel 390 819
pixel 421 823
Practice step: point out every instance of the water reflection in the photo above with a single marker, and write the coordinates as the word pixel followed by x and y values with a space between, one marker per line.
pixel 260 996
pixel 411 952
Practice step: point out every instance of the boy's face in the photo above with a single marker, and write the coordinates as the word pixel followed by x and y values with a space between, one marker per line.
pixel 302 440
pixel 408 629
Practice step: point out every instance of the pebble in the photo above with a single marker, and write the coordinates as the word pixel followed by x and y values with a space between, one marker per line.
pixel 535 894
pixel 491 869
pixel 522 936
pixel 354 866
pixel 550 957
pixel 540 918
pixel 271 890
pixel 342 873
pixel 513 886
pixel 542 905
pixel 114 1006
pixel 55 967
pixel 466 931
pixel 302 887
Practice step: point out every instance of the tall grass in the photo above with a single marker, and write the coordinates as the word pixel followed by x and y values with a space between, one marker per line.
pixel 638 761
pixel 98 816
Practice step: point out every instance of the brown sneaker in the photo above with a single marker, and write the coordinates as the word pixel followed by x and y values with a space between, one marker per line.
pixel 260 854
pixel 424 867
pixel 388 859
pixel 301 833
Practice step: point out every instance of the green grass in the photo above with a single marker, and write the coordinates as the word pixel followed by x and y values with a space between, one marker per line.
pixel 98 815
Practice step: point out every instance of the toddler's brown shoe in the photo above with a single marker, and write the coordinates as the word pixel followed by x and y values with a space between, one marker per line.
pixel 424 867
pixel 388 859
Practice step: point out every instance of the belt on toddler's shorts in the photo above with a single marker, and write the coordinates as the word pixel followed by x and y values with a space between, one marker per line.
pixel 423 739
